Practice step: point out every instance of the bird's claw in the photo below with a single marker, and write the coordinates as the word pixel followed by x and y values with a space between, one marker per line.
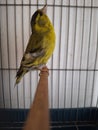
pixel 43 70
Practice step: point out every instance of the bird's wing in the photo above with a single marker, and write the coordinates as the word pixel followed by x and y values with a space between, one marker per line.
pixel 34 49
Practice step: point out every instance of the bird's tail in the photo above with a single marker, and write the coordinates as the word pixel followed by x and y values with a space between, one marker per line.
pixel 21 72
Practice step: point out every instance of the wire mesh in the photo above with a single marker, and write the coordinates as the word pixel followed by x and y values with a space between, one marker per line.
pixel 74 65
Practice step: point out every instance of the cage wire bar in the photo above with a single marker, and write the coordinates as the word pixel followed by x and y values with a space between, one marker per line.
pixel 80 60
pixel 73 66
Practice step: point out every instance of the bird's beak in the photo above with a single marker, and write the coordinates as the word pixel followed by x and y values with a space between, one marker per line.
pixel 44 9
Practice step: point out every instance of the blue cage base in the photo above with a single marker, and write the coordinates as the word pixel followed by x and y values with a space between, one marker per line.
pixel 60 119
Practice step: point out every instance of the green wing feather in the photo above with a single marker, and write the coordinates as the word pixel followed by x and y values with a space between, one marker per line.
pixel 33 51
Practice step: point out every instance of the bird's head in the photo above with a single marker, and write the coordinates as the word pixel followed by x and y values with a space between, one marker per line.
pixel 39 20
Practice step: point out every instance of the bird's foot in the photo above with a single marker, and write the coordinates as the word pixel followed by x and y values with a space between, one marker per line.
pixel 44 70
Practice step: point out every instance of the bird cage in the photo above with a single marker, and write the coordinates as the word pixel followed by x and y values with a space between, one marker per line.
pixel 73 67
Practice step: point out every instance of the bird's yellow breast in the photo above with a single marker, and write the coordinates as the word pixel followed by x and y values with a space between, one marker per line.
pixel 48 44
pixel 44 30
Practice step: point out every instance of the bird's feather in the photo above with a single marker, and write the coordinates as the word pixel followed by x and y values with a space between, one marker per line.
pixel 40 46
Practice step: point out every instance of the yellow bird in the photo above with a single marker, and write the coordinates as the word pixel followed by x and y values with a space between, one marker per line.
pixel 40 46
